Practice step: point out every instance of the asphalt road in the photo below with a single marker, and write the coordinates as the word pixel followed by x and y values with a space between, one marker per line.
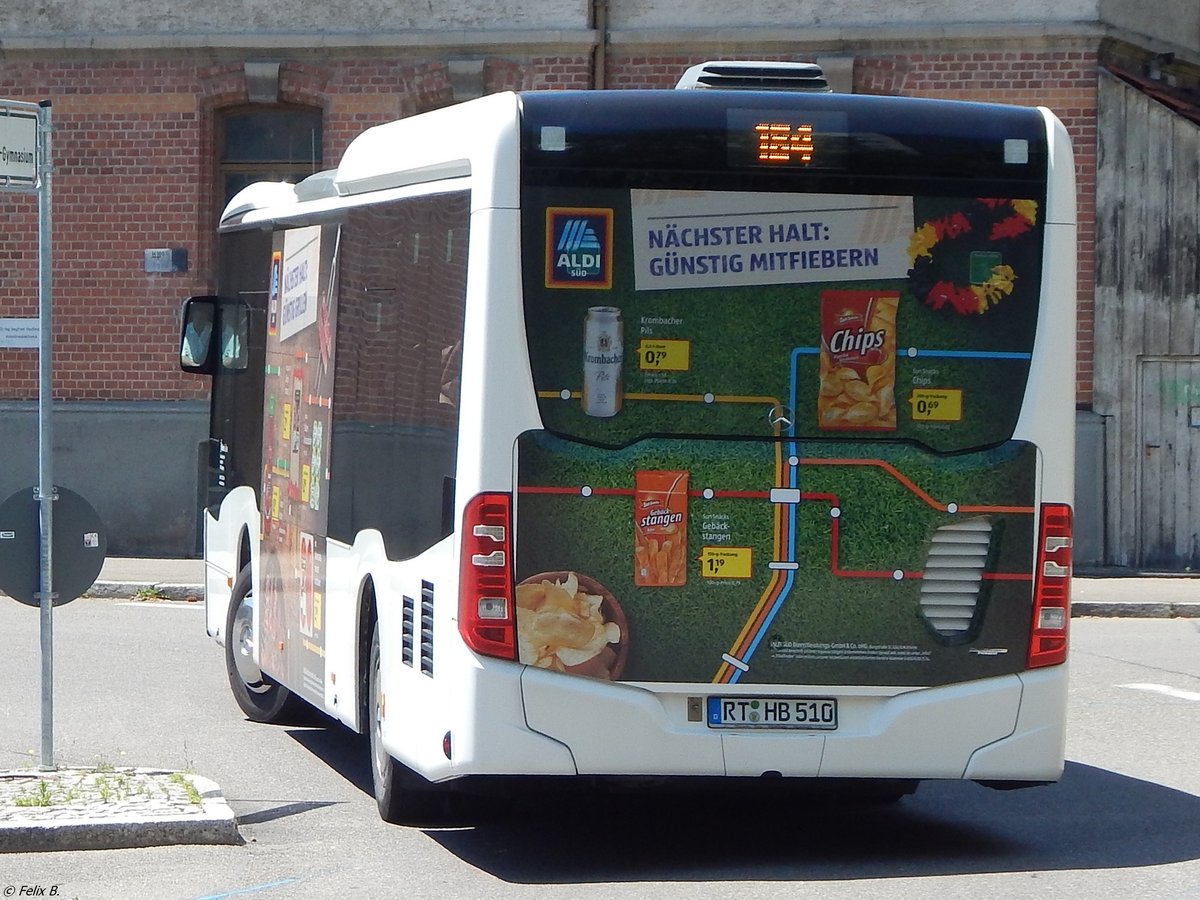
pixel 141 684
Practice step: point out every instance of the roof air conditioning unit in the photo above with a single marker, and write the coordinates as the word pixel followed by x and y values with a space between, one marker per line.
pixel 748 75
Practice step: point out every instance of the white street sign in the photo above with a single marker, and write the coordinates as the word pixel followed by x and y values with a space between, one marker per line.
pixel 18 145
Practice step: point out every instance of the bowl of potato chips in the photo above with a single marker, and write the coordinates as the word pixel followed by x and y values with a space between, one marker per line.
pixel 569 622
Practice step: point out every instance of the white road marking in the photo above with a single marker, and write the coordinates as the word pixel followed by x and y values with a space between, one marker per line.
pixel 161 604
pixel 1165 690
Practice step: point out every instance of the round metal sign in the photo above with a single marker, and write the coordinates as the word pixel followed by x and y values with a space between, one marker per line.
pixel 77 552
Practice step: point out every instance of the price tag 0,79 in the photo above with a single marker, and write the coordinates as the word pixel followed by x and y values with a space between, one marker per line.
pixel 664 355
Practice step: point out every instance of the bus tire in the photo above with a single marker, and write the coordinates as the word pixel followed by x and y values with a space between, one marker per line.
pixel 403 796
pixel 260 697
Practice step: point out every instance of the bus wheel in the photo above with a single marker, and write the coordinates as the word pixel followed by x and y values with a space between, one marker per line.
pixel 402 795
pixel 260 698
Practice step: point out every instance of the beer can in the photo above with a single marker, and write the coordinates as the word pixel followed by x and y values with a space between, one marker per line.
pixel 603 359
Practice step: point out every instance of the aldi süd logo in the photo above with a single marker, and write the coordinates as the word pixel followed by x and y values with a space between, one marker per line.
pixel 579 248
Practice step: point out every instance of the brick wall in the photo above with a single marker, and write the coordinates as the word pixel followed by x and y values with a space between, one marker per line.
pixel 134 171
pixel 18 289
pixel 127 177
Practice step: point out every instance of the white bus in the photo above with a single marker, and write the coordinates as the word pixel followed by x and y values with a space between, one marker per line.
pixel 734 423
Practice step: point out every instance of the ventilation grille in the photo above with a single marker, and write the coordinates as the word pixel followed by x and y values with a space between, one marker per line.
pixel 427 628
pixel 958 555
pixel 755 76
pixel 407 629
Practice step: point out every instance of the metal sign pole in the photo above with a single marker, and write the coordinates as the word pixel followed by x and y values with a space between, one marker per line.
pixel 26 165
pixel 46 437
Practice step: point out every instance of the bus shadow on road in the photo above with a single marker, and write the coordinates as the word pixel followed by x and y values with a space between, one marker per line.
pixel 340 748
pixel 1092 818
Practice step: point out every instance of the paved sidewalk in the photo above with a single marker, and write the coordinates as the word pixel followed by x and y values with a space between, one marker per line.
pixel 89 808
pixel 110 808
pixel 1136 596
pixel 172 579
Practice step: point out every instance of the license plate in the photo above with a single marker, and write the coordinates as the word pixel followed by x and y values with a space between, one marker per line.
pixel 773 712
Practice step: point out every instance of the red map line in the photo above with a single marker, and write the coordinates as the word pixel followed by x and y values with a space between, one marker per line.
pixel 628 492
pixel 835 528
pixel 879 464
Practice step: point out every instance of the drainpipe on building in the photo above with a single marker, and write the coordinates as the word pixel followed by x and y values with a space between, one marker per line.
pixel 600 53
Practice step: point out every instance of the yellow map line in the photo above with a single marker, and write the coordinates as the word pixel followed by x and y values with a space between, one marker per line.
pixel 679 398
pixel 724 671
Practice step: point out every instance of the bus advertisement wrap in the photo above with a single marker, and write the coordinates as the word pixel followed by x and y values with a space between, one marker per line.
pixel 768 336
pixel 296 429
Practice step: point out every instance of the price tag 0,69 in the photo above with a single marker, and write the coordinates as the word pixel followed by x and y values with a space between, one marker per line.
pixel 936 405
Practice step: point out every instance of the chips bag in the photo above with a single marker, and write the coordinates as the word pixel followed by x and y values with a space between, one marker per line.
pixel 858 361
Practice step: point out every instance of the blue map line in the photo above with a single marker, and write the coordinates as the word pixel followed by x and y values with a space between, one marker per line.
pixel 916 353
pixel 973 354
pixel 766 625
pixel 790 550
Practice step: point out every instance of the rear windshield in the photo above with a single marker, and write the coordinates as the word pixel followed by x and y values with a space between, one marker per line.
pixel 879 281
pixel 707 312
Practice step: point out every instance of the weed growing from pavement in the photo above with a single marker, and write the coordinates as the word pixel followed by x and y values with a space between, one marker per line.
pixel 46 795
pixel 41 796
pixel 108 785
pixel 193 795
pixel 147 594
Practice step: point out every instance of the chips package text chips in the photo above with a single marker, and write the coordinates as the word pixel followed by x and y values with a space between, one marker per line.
pixel 660 528
pixel 858 360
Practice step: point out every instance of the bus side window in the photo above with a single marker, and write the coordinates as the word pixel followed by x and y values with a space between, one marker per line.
pixel 402 278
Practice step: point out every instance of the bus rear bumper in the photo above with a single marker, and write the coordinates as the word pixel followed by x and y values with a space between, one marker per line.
pixel 1005 728
pixel 1035 751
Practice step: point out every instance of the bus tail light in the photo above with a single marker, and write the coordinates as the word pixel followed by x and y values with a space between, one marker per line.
pixel 1051 588
pixel 486 599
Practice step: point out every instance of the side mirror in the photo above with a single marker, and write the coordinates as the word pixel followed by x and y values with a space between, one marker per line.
pixel 235 335
pixel 199 316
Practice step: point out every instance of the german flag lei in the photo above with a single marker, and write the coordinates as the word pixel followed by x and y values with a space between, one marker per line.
pixel 955 236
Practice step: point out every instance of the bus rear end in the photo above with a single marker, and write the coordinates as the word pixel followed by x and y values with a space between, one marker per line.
pixel 797 499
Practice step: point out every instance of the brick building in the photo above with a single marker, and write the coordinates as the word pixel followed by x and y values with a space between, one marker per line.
pixel 157 114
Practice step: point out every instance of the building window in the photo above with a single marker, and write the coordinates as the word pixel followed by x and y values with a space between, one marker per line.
pixel 266 143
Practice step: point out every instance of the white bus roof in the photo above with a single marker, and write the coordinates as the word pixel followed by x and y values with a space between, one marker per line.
pixel 478 136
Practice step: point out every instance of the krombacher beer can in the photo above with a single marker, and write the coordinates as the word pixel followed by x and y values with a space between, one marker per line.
pixel 603 358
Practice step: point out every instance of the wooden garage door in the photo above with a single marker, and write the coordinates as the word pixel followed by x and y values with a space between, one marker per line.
pixel 1169 437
